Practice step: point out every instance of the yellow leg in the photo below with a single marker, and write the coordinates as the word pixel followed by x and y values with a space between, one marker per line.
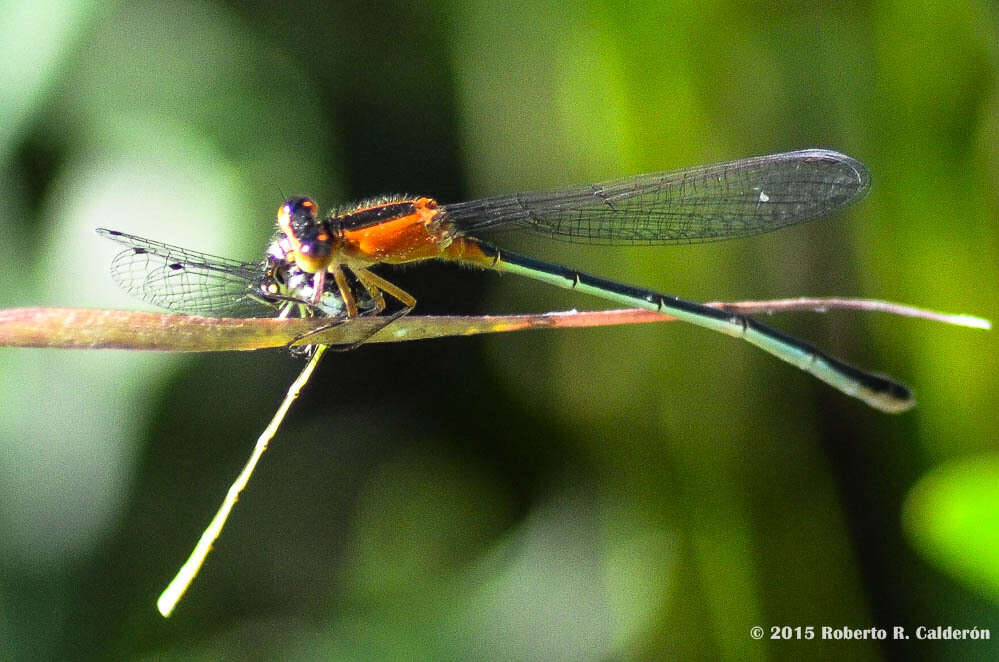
pixel 372 281
pixel 341 284
pixel 375 286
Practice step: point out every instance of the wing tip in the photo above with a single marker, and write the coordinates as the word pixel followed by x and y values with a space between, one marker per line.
pixel 858 172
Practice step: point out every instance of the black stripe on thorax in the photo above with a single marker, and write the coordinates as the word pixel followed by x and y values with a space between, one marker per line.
pixel 365 218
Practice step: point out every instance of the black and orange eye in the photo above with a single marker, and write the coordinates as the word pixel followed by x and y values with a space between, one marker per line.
pixel 297 216
pixel 309 236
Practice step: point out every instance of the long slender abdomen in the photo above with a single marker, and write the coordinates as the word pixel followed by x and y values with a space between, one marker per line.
pixel 877 391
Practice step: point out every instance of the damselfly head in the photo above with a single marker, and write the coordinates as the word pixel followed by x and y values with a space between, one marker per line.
pixel 310 238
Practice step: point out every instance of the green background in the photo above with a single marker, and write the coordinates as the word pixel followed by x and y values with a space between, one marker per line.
pixel 582 494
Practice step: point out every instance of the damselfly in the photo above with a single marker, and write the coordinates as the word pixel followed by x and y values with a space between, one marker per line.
pixel 707 203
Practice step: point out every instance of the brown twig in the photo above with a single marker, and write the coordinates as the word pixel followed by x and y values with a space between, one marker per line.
pixel 75 328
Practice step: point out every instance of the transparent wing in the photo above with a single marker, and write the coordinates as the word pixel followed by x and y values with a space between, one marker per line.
pixel 187 281
pixel 705 203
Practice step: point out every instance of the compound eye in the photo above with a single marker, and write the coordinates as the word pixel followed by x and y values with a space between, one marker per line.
pixel 297 215
pixel 309 237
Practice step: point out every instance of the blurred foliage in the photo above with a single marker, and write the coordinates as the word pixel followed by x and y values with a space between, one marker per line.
pixel 599 494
